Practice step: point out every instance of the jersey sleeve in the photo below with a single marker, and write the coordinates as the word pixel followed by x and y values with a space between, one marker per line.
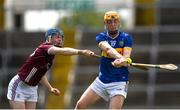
pixel 46 47
pixel 128 41
pixel 100 37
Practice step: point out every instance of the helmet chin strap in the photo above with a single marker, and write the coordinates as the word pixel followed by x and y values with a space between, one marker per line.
pixel 113 33
pixel 49 39
pixel 61 45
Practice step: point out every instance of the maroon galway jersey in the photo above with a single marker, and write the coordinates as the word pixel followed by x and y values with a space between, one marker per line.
pixel 37 64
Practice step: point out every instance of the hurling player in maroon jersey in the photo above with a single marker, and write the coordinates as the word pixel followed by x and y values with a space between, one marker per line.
pixel 22 89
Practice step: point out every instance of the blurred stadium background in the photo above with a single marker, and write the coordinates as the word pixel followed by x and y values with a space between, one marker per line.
pixel 154 25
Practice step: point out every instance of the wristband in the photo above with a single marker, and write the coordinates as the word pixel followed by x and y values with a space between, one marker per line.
pixel 128 60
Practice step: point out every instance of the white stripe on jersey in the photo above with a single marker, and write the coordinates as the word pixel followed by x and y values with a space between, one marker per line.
pixel 31 74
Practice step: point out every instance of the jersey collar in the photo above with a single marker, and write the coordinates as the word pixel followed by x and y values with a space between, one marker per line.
pixel 112 37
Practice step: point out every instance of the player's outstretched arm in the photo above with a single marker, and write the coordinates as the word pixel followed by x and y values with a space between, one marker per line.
pixel 69 51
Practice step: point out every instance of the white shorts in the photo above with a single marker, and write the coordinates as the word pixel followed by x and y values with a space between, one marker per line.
pixel 106 91
pixel 19 91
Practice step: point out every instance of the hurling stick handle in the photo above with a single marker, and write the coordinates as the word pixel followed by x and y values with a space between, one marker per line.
pixel 139 65
pixel 134 64
pixel 97 56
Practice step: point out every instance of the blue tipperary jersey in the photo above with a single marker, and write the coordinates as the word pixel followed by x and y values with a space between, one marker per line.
pixel 109 73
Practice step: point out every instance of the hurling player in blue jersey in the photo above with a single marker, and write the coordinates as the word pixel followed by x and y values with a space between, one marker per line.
pixel 112 81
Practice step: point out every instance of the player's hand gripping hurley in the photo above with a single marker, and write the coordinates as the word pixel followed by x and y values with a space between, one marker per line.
pixel 147 66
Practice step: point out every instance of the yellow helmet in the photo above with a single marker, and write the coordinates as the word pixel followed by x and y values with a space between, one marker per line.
pixel 111 15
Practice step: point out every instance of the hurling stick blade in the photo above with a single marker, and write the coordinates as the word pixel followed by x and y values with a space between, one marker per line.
pixel 161 66
pixel 168 66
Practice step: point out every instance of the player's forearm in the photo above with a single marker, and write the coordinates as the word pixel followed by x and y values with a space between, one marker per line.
pixel 72 51
pixel 68 51
pixel 109 50
pixel 44 81
pixel 113 53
